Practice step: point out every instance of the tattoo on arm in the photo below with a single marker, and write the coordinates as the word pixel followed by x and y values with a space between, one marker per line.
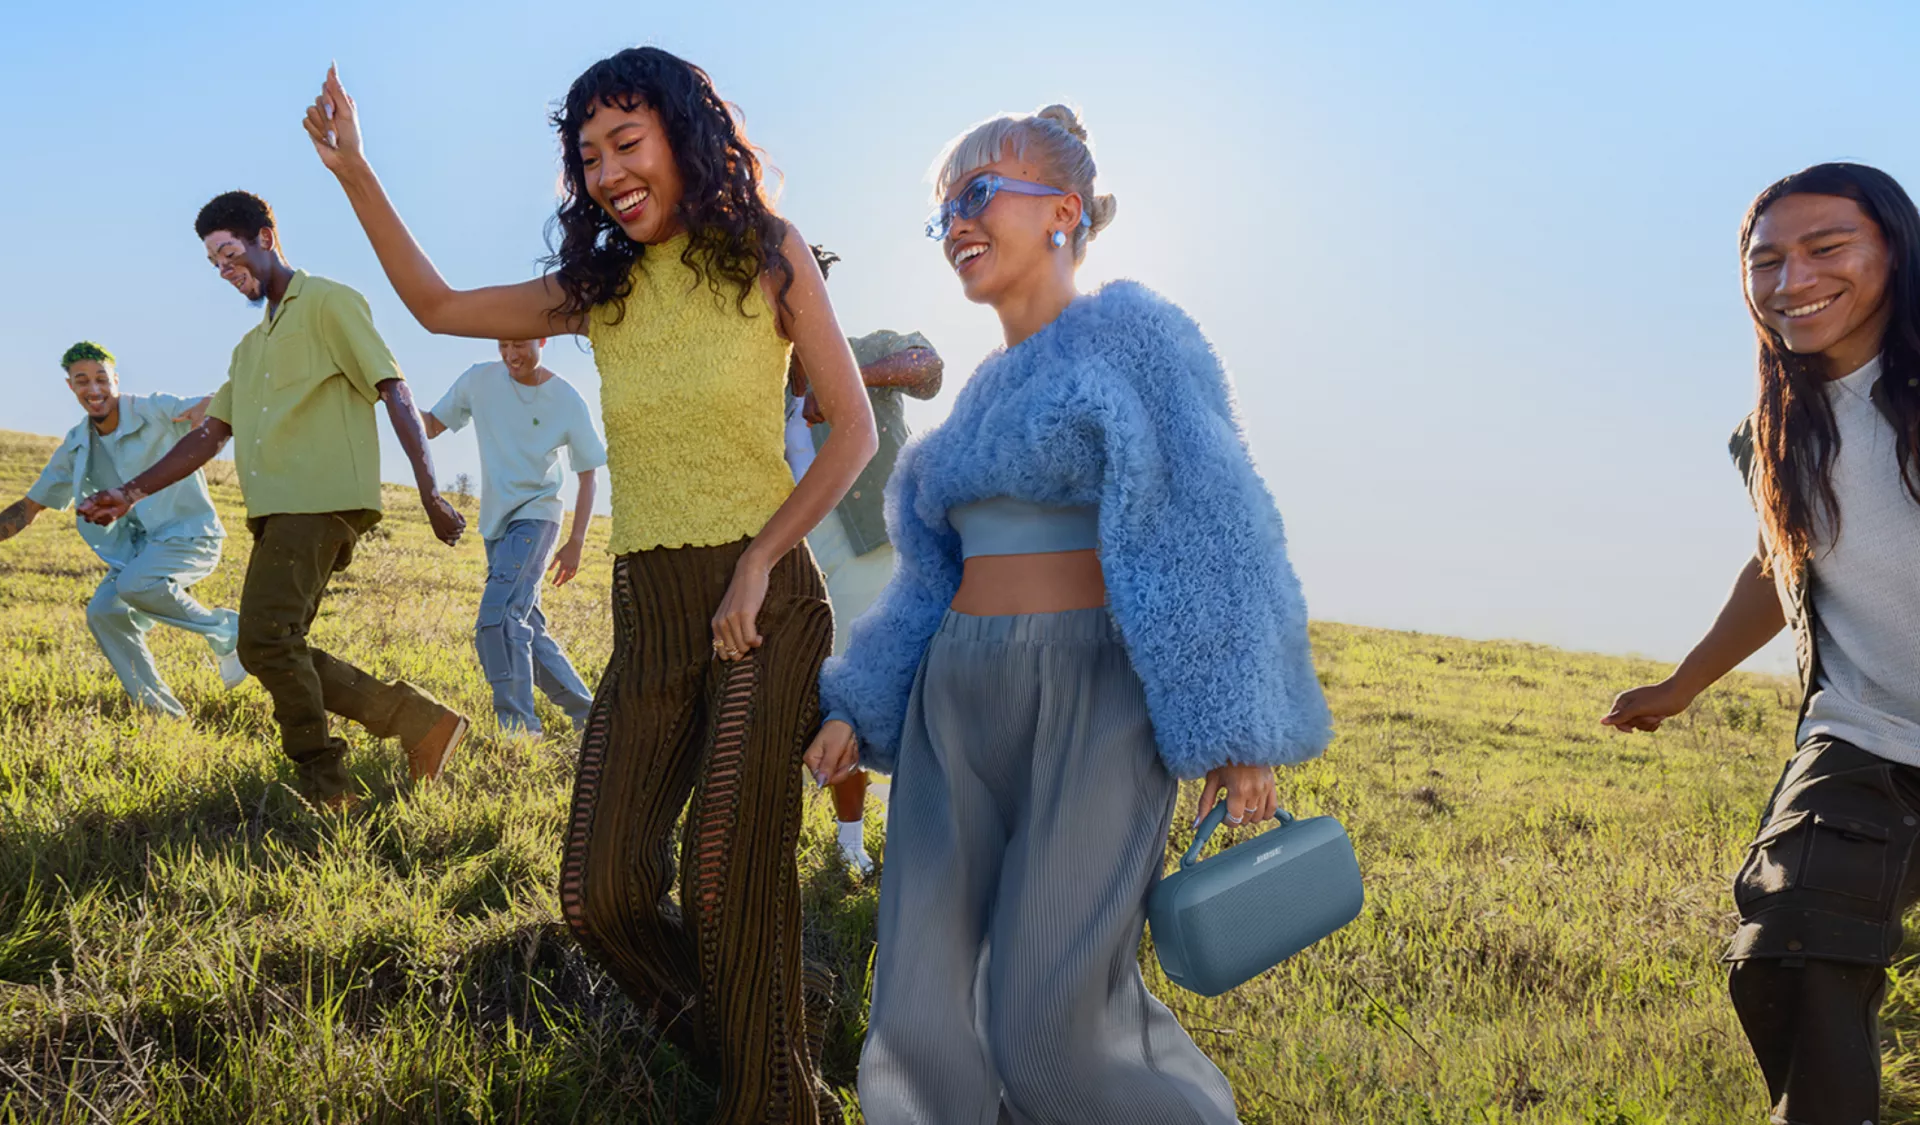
pixel 15 517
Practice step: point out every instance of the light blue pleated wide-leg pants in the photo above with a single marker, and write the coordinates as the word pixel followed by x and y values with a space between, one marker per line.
pixel 1027 825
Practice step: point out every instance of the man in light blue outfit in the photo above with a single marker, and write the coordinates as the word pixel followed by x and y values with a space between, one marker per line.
pixel 523 415
pixel 170 541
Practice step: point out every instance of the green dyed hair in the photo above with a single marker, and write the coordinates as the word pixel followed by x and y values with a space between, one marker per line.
pixel 85 349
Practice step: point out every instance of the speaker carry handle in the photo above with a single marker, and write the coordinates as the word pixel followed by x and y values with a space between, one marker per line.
pixel 1213 821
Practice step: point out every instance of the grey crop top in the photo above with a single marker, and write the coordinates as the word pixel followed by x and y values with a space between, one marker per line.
pixel 1001 525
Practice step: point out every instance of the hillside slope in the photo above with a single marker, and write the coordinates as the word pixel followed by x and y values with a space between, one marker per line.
pixel 180 940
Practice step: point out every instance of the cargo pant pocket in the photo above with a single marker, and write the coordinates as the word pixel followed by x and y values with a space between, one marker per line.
pixel 1822 877
pixel 1844 856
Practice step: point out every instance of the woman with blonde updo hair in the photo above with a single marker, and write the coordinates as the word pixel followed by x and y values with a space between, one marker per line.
pixel 1091 601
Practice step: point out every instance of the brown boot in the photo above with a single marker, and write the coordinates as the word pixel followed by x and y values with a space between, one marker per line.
pixel 428 755
pixel 343 802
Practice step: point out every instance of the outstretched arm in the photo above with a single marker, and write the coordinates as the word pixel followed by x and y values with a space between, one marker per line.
pixel 177 464
pixel 15 517
pixel 1750 618
pixel 434 426
pixel 527 310
pixel 447 523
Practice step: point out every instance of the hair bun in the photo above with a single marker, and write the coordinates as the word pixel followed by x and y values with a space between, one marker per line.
pixel 1066 118
pixel 1100 212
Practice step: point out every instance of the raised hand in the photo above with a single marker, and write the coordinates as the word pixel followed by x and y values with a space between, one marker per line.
pixel 333 124
pixel 447 523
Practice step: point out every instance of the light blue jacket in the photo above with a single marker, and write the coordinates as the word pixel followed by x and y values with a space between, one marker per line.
pixel 145 433
pixel 1120 403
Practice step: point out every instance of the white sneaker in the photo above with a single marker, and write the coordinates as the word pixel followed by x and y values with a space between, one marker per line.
pixel 853 848
pixel 232 673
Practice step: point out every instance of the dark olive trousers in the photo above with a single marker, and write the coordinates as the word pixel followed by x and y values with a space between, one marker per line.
pixel 720 972
pixel 294 556
pixel 1821 895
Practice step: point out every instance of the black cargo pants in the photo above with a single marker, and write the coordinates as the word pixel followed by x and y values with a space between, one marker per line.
pixel 1821 895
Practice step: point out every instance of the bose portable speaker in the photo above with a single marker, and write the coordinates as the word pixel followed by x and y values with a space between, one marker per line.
pixel 1220 922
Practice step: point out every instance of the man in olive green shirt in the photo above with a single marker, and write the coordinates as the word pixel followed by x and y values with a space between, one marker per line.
pixel 298 403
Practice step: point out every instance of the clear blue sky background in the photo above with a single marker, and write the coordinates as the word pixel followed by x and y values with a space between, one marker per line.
pixel 1471 264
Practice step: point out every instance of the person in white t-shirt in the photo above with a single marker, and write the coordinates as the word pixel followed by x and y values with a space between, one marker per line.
pixel 524 415
pixel 1831 459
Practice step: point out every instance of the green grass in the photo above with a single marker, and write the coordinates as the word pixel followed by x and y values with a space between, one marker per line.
pixel 182 940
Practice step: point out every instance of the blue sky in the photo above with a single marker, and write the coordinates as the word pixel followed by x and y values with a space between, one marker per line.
pixel 1471 264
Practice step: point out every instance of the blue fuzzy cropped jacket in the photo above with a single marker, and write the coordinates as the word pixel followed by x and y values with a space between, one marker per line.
pixel 1120 403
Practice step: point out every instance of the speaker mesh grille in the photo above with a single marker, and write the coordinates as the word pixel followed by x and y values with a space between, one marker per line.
pixel 1245 931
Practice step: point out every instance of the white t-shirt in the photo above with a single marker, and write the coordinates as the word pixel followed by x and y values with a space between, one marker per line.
pixel 521 431
pixel 799 438
pixel 1866 588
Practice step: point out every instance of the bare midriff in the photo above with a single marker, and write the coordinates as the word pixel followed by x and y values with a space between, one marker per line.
pixel 999 585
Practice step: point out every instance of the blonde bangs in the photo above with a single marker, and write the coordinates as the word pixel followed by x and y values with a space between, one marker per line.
pixel 977 148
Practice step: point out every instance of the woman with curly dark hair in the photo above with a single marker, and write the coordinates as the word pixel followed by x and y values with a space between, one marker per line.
pixel 693 293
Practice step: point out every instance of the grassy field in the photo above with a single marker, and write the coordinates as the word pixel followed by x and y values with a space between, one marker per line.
pixel 181 940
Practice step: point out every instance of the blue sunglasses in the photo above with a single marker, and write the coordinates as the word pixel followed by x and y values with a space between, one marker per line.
pixel 974 198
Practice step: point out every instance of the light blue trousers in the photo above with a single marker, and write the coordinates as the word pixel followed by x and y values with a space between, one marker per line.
pixel 511 634
pixel 1027 825
pixel 149 589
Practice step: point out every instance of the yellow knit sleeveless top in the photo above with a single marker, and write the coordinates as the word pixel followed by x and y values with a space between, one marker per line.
pixel 692 395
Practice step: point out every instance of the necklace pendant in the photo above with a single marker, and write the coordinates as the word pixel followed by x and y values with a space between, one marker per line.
pixel 536 421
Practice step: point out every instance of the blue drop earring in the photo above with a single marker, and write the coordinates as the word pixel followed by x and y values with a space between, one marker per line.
pixel 1058 238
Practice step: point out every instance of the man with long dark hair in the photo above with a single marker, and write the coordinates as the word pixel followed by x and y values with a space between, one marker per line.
pixel 1831 457
pixel 299 401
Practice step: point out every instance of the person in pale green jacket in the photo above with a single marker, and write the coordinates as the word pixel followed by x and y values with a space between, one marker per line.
pixel 170 541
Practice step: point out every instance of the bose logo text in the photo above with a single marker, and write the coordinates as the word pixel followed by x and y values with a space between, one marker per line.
pixel 1265 856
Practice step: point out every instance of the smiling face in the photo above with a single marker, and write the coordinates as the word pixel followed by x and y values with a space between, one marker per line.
pixel 245 265
pixel 630 171
pixel 1817 271
pixel 522 357
pixel 97 387
pixel 1004 247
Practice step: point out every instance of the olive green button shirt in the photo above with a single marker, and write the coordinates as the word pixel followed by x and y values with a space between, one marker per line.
pixel 300 397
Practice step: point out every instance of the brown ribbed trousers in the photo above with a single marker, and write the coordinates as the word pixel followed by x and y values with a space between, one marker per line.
pixel 720 972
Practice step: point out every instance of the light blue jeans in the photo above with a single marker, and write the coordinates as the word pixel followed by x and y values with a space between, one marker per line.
pixel 151 588
pixel 515 651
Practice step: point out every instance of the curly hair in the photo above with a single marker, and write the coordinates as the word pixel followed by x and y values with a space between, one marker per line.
pixel 733 233
pixel 241 212
pixel 84 350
